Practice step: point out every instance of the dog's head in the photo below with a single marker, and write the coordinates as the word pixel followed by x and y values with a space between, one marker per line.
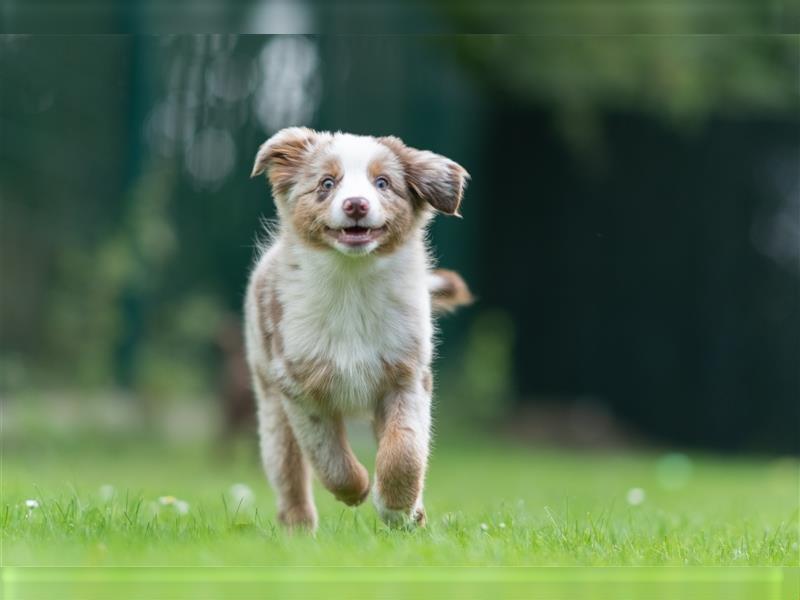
pixel 356 194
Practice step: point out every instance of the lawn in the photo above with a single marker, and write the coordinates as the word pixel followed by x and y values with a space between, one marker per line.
pixel 131 500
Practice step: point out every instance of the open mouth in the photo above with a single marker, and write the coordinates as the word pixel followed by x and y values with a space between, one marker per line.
pixel 356 236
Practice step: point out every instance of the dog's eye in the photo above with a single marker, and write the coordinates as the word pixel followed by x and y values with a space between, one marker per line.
pixel 327 183
pixel 381 183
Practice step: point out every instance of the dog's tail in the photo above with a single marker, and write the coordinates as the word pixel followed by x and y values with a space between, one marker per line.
pixel 448 291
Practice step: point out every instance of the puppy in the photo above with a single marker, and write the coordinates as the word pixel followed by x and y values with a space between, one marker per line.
pixel 338 316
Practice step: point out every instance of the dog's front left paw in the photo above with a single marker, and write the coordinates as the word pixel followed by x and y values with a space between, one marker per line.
pixel 400 518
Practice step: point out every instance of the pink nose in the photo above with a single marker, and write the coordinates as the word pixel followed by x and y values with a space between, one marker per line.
pixel 355 207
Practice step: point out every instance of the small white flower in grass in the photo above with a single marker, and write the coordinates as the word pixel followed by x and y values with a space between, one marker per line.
pixel 106 492
pixel 635 496
pixel 502 525
pixel 32 504
pixel 484 527
pixel 180 506
pixel 241 495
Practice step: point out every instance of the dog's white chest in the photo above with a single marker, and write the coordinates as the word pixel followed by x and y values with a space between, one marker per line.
pixel 349 334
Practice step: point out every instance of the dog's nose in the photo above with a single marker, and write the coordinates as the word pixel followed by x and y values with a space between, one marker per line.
pixel 355 207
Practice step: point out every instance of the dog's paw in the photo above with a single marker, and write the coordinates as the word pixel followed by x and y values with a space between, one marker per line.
pixel 354 490
pixel 352 496
pixel 400 519
pixel 298 518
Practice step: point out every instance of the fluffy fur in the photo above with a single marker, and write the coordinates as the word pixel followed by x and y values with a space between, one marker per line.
pixel 338 316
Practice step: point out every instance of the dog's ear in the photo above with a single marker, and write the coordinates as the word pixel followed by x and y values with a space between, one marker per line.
pixel 282 156
pixel 431 177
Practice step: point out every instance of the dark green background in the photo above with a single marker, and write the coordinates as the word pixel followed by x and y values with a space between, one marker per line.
pixel 632 229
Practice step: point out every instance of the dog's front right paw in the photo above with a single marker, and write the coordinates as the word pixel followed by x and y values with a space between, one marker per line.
pixel 354 489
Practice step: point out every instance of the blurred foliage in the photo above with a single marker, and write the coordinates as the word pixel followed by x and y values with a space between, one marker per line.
pixel 479 386
pixel 682 79
pixel 626 17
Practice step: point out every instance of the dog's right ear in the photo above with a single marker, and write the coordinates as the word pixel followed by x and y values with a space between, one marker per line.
pixel 282 156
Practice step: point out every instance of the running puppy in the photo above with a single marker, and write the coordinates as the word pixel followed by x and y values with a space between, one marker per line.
pixel 338 316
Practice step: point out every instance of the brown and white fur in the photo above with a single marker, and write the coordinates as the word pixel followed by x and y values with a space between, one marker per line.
pixel 338 316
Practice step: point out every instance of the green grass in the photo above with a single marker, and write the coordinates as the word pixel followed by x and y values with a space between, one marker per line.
pixel 488 503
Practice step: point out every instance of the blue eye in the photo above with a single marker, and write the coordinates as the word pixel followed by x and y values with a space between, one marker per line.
pixel 381 183
pixel 327 183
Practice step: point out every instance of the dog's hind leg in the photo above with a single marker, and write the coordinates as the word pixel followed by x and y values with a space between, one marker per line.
pixel 287 469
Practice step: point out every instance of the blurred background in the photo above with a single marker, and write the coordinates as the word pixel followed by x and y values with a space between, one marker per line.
pixel 632 229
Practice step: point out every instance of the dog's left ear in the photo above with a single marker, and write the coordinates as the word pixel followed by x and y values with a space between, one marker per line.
pixel 431 177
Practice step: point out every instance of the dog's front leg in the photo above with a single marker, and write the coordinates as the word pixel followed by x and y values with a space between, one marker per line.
pixel 323 441
pixel 402 426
